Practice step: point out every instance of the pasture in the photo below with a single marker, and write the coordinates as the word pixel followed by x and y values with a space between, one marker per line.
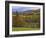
pixel 27 22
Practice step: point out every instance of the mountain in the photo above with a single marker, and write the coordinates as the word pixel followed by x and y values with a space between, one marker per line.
pixel 30 12
pixel 27 12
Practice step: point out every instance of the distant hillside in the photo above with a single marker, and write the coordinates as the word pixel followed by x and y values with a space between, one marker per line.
pixel 27 12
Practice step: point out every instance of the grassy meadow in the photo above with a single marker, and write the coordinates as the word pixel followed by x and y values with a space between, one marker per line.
pixel 24 29
pixel 30 22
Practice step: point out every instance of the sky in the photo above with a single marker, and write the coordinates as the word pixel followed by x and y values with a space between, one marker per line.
pixel 21 9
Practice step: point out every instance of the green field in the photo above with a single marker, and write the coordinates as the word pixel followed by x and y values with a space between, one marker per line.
pixel 24 29
pixel 22 24
pixel 26 22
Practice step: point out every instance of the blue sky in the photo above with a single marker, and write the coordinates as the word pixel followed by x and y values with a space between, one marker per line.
pixel 20 9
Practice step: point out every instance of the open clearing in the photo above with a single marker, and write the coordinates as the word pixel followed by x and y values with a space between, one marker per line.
pixel 23 29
